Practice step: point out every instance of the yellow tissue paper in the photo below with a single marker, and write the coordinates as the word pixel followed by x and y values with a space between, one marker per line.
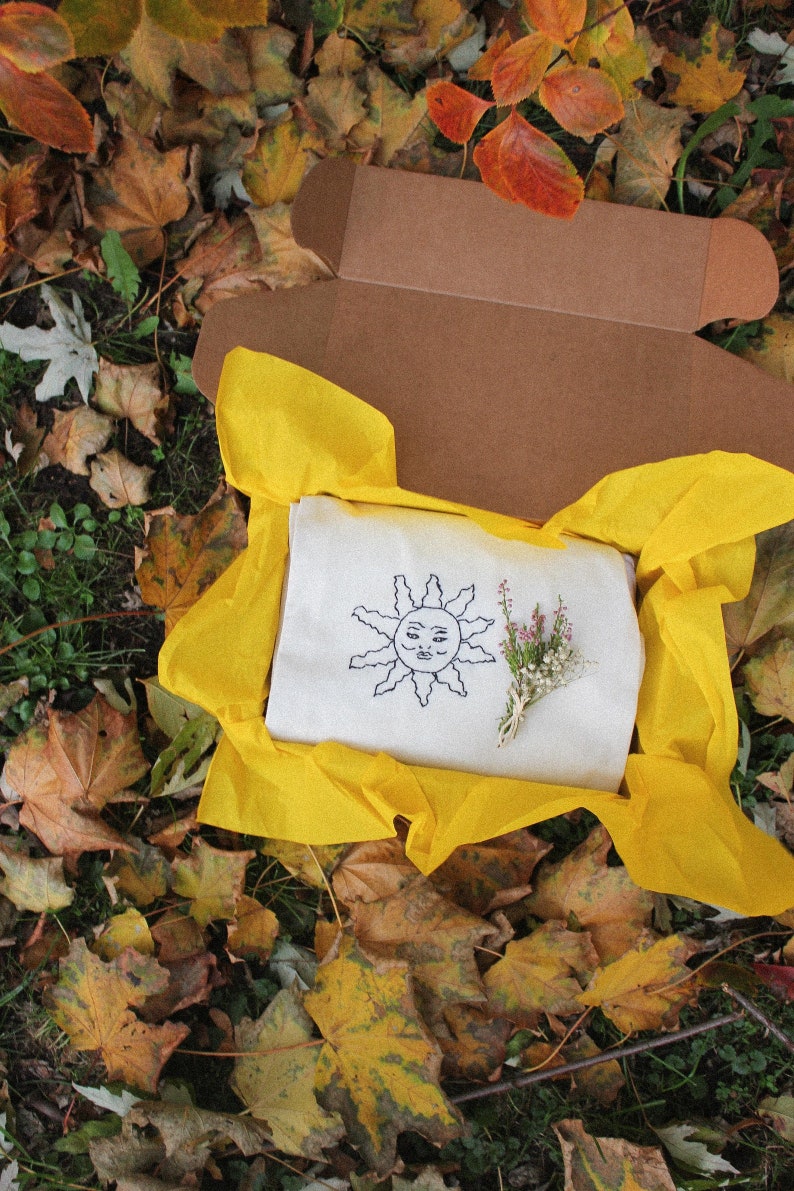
pixel 286 433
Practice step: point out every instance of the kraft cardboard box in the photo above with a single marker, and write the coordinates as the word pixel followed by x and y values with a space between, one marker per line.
pixel 519 358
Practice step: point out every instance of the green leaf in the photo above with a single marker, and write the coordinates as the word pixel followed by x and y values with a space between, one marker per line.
pixel 84 547
pixel 147 327
pixel 182 367
pixel 122 273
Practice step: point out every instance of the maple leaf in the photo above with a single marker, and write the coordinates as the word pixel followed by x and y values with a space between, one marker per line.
pixel 76 434
pixel 485 877
pixel 646 988
pixel 609 1163
pixel 118 481
pixel 33 39
pixel 92 1004
pixel 537 975
pixel 67 346
pixel 128 929
pixel 213 880
pixel 138 194
pixel 133 391
pixel 372 870
pixel 67 772
pixel 704 73
pixel 274 169
pixel 35 885
pixel 183 556
pixel 142 875
pixel 309 864
pixel 378 1068
pixel 601 900
pixel 276 1081
pixel 770 680
pixel 648 147
pixel 474 1043
pixel 433 935
pixel 769 603
pixel 253 930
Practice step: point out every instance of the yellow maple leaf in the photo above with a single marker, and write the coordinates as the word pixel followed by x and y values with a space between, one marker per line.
pixel 537 974
pixel 703 76
pixel 379 1068
pixel 212 879
pixel 92 1004
pixel 646 988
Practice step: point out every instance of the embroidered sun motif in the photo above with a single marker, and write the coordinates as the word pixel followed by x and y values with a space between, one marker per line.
pixel 427 638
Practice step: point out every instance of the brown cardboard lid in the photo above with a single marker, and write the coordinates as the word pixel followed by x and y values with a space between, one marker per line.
pixel 497 402
pixel 624 264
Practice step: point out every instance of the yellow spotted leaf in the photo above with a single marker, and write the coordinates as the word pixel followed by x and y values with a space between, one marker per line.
pixel 92 1003
pixel 485 877
pixel 276 1080
pixel 769 604
pixel 647 988
pixel 253 930
pixel 118 481
pixel 538 975
pixel 335 103
pixel 34 885
pixel 212 879
pixel 774 349
pixel 99 27
pixel 379 1068
pixel 602 1082
pixel 311 865
pixel 133 391
pixel 128 929
pixel 183 556
pixel 273 171
pixel 269 51
pixel 609 1163
pixel 770 680
pixel 703 75
pixel 600 899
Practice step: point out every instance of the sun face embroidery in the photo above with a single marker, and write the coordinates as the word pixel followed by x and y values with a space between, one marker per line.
pixel 427 639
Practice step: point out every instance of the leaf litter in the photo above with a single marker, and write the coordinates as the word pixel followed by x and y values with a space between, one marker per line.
pixel 397 989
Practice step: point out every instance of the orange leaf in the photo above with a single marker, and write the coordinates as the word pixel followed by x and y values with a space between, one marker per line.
pixel 456 112
pixel 185 555
pixel 34 37
pixel 484 65
pixel 44 110
pixel 561 20
pixel 581 100
pixel 526 166
pixel 91 1003
pixel 67 772
pixel 518 71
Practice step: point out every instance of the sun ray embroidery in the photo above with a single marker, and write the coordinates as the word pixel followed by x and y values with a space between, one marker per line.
pixel 427 637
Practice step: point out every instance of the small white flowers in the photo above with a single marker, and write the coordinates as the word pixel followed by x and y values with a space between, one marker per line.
pixel 538 665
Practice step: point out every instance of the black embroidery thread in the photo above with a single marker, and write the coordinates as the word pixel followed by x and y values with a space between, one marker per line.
pixel 426 639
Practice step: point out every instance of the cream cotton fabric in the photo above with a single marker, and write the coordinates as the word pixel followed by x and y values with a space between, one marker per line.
pixel 389 642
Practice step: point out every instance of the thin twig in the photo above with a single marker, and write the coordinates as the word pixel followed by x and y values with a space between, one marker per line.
pixel 40 281
pixel 327 884
pixel 62 624
pixel 620 1052
pixel 760 1016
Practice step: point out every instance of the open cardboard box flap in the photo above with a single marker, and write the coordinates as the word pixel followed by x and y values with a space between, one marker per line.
pixel 519 358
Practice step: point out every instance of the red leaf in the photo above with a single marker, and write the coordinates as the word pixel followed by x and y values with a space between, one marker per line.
pixel 779 978
pixel 33 37
pixel 561 20
pixel 483 67
pixel 44 110
pixel 581 100
pixel 455 111
pixel 518 71
pixel 525 166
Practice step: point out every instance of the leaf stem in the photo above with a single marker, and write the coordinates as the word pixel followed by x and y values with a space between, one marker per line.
pixel 62 624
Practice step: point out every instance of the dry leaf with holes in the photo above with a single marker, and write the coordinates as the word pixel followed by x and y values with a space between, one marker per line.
pixel 119 482
pixel 133 391
pixel 76 435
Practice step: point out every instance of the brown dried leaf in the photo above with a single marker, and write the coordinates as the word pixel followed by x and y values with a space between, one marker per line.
pixel 119 482
pixel 183 556
pixel 253 930
pixel 76 434
pixel 139 194
pixel 133 391
pixel 33 885
pixel 769 603
pixel 609 1163
pixel 603 900
pixel 770 680
pixel 649 145
pixel 485 877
